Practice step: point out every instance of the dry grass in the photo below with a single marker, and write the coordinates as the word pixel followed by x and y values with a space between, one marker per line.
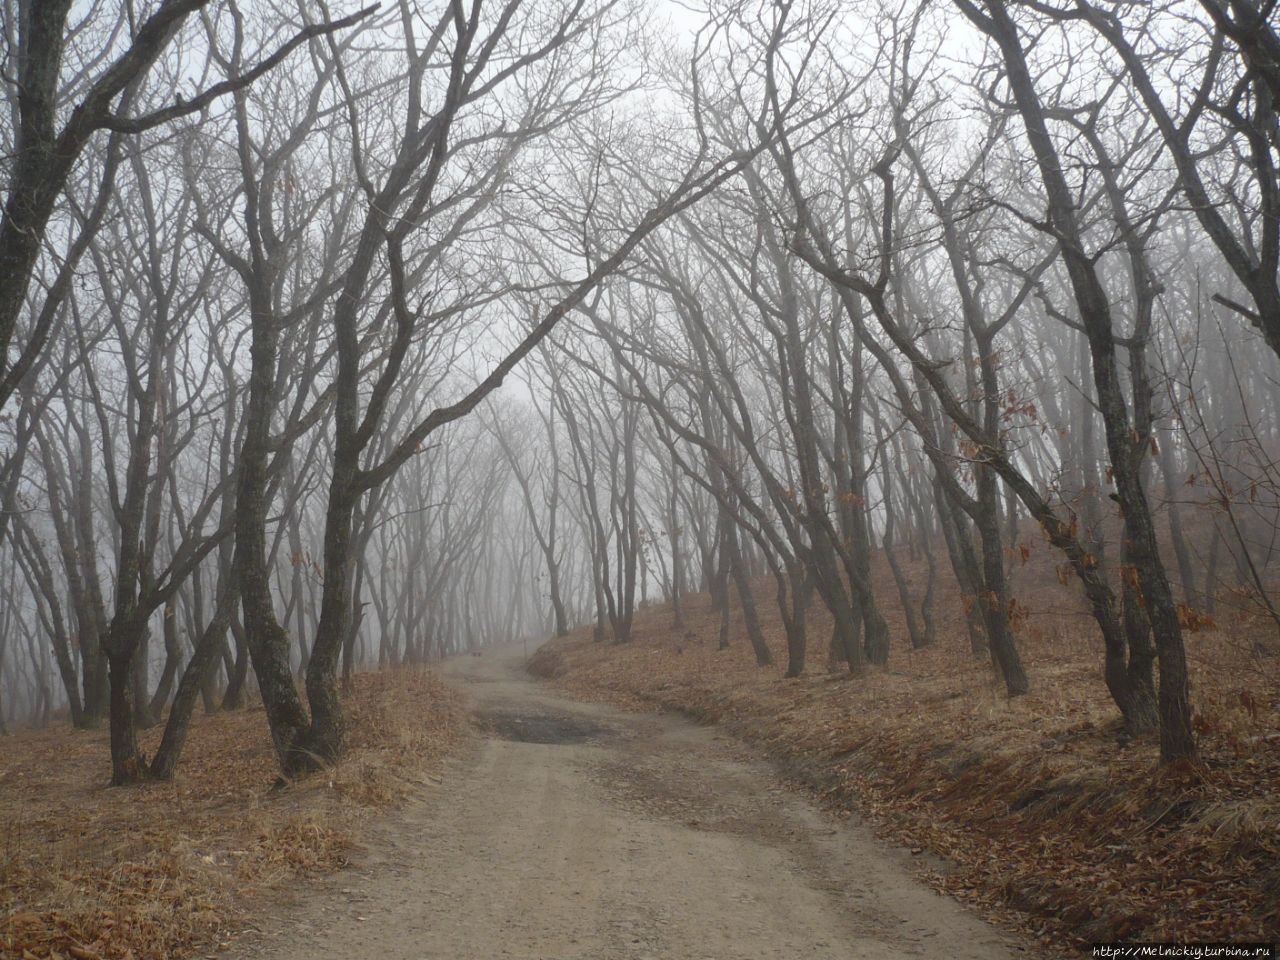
pixel 159 870
pixel 1051 822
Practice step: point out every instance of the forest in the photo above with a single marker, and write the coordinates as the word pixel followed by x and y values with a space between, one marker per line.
pixel 823 333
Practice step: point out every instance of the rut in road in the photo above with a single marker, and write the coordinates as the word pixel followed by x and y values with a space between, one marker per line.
pixel 579 831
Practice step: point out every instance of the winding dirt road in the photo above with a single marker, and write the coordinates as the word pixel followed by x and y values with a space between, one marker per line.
pixel 579 831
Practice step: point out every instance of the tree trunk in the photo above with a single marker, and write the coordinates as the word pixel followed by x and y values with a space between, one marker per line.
pixel 1176 738
pixel 203 661
pixel 323 742
pixel 172 655
pixel 742 583
pixel 127 764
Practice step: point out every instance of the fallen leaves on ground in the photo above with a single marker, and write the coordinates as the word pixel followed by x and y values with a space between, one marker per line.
pixel 162 869
pixel 1048 817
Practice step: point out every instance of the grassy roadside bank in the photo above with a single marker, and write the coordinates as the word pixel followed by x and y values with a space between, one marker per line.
pixel 162 870
pixel 1053 824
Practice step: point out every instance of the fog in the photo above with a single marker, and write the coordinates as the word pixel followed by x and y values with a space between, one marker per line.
pixel 345 339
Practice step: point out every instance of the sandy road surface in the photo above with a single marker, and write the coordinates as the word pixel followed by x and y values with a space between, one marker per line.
pixel 579 831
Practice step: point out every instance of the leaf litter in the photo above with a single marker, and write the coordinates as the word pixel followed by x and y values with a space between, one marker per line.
pixel 164 870
pixel 1046 817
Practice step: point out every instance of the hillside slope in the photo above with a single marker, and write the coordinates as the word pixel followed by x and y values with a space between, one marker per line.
pixel 1053 820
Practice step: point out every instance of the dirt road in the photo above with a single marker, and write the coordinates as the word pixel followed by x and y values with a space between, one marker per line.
pixel 578 831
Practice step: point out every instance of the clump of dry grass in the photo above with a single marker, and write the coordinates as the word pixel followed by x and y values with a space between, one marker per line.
pixel 158 870
pixel 1052 820
pixel 547 663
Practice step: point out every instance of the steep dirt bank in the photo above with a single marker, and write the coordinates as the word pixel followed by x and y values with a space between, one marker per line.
pixel 1054 823
pixel 580 831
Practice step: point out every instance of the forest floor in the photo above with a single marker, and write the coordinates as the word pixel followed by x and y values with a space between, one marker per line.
pixel 481 814
pixel 162 870
pixel 1046 817
pixel 581 832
